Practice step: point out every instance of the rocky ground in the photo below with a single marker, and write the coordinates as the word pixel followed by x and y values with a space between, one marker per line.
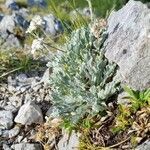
pixel 24 101
pixel 25 97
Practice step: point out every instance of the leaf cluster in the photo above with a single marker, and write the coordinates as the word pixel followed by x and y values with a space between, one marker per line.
pixel 82 80
pixel 127 114
pixel 138 99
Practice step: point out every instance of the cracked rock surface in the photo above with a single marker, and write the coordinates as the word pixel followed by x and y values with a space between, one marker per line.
pixel 128 43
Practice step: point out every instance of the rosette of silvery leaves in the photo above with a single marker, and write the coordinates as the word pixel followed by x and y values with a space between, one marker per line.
pixel 82 78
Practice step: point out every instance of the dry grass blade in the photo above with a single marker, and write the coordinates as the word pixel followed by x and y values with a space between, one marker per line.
pixel 9 72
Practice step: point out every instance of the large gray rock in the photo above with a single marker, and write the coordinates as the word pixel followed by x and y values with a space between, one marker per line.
pixel 27 146
pixel 6 119
pixel 28 114
pixel 128 44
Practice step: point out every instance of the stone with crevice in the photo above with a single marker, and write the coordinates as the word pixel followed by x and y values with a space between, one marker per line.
pixel 128 44
pixel 28 114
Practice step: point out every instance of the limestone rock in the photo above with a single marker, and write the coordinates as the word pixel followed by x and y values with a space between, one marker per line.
pixel 46 76
pixel 7 24
pixel 12 41
pixel 144 146
pixel 86 12
pixel 28 114
pixel 11 133
pixel 27 146
pixel 14 132
pixel 6 147
pixel 24 12
pixel 6 119
pixel 128 43
pixel 11 4
pixel 122 100
pixel 50 24
pixel 69 143
pixel 22 77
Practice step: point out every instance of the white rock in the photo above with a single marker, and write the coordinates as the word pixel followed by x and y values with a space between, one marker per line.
pixel 144 146
pixel 6 119
pixel 12 41
pixel 1 132
pixel 128 44
pixel 25 140
pixel 6 147
pixel 7 23
pixel 5 134
pixel 3 103
pixel 23 12
pixel 13 132
pixel 11 88
pixel 69 143
pixel 27 146
pixel 11 81
pixel 11 108
pixel 27 98
pixel 15 100
pixel 19 138
pixel 46 77
pixel 50 24
pixel 22 77
pixel 9 2
pixel 87 12
pixel 23 89
pixel 29 113
pixel 37 87
pixel 122 100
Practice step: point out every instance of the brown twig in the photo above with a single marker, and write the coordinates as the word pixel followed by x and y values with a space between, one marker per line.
pixel 115 145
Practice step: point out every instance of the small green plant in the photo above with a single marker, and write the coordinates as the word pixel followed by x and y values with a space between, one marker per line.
pixel 82 78
pixel 16 60
pixel 139 100
pixel 123 119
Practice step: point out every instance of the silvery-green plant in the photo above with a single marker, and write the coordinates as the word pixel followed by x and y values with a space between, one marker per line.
pixel 82 78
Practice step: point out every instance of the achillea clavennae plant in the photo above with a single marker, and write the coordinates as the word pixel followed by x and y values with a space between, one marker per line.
pixel 82 78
